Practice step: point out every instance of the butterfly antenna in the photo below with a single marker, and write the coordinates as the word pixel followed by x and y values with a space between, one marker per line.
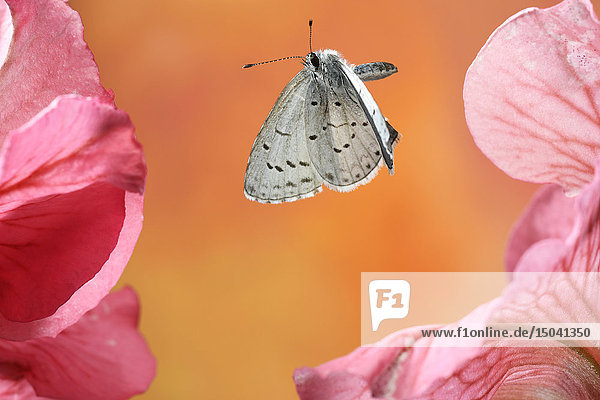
pixel 270 61
pixel 310 35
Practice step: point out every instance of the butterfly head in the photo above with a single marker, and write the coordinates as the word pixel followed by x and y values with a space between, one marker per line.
pixel 312 59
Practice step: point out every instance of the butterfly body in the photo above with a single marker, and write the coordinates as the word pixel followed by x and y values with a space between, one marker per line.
pixel 325 128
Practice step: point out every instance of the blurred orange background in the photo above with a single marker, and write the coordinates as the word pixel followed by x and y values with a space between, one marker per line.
pixel 237 294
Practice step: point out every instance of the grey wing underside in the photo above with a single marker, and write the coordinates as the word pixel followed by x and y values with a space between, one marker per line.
pixel 386 137
pixel 279 167
pixel 373 71
pixel 341 141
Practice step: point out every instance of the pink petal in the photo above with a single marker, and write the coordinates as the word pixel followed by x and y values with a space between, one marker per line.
pixel 564 298
pixel 73 142
pixel 6 31
pixel 50 246
pixel 336 386
pixel 395 371
pixel 69 207
pixel 584 241
pixel 48 58
pixel 571 293
pixel 365 374
pixel 549 215
pixel 582 253
pixel 557 233
pixel 545 255
pixel 520 373
pixel 18 390
pixel 88 296
pixel 532 95
pixel 425 366
pixel 102 356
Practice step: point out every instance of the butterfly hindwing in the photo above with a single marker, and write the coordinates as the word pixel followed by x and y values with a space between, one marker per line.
pixel 341 141
pixel 279 168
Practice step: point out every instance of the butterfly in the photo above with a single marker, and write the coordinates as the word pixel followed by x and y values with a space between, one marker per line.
pixel 325 128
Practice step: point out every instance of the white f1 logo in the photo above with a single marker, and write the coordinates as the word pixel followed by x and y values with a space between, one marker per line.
pixel 389 299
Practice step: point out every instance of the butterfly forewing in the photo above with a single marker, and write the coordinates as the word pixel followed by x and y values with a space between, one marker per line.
pixel 279 168
pixel 374 70
pixel 385 137
pixel 341 142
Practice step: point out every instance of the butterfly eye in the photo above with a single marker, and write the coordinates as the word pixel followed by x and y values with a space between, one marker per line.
pixel 314 60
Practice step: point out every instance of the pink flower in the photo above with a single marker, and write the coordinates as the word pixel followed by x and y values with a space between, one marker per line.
pixel 532 101
pixel 402 371
pixel 72 174
pixel 532 95
pixel 102 356
pixel 406 365
pixel 557 233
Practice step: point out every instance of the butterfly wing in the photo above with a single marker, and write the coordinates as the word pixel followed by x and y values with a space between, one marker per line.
pixel 340 135
pixel 279 167
pixel 386 137
pixel 374 70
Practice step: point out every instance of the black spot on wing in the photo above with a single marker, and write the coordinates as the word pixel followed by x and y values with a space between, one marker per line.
pixel 291 164
pixel 304 163
pixel 312 137
pixel 269 166
pixel 278 168
pixel 265 146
